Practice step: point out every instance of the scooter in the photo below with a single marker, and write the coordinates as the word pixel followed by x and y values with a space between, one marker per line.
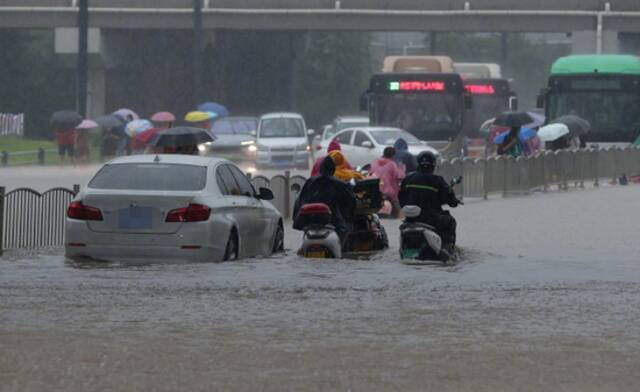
pixel 321 240
pixel 420 243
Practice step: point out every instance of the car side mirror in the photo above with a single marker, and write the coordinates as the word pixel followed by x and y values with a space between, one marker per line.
pixel 265 194
pixel 541 98
pixel 513 103
pixel 456 180
pixel 367 144
pixel 468 101
pixel 296 188
pixel 253 133
pixel 311 132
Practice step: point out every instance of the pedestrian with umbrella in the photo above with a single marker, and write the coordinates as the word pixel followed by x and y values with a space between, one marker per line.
pixel 577 126
pixel 112 132
pixel 64 123
pixel 181 140
pixel 200 119
pixel 512 143
pixel 161 121
pixel 216 108
pixel 82 140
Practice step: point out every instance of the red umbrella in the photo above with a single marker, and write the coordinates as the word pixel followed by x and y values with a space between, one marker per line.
pixel 145 136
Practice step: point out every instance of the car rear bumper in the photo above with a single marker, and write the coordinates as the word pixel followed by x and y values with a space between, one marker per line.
pixel 193 243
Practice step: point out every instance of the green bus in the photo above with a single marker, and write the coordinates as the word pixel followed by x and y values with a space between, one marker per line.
pixel 603 89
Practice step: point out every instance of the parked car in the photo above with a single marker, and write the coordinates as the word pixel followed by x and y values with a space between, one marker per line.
pixel 363 145
pixel 282 141
pixel 338 124
pixel 171 207
pixel 234 139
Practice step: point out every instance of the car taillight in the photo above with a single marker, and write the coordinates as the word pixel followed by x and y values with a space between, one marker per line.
pixel 79 211
pixel 192 213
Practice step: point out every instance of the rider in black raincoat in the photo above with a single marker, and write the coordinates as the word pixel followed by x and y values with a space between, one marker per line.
pixel 430 192
pixel 329 190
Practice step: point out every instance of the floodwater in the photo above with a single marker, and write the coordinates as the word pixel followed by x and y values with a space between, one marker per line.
pixel 547 297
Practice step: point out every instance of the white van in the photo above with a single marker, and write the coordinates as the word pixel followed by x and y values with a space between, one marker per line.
pixel 282 141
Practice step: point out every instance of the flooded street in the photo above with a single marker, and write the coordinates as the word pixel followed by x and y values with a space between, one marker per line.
pixel 547 301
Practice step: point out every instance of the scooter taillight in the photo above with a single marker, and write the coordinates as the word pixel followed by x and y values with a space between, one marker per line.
pixel 315 209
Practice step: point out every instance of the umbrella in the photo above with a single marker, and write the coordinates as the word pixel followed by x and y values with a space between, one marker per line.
pixel 127 114
pixel 524 135
pixel 180 137
pixel 145 136
pixel 87 124
pixel 65 119
pixel 163 117
pixel 110 121
pixel 197 116
pixel 577 125
pixel 213 107
pixel 485 128
pixel 137 126
pixel 538 120
pixel 552 132
pixel 513 119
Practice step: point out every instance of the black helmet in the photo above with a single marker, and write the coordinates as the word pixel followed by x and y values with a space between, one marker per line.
pixel 427 160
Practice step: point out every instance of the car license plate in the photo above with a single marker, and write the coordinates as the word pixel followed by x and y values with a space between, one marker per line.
pixel 135 218
pixel 316 255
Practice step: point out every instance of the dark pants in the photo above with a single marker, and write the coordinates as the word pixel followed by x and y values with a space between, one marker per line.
pixel 445 225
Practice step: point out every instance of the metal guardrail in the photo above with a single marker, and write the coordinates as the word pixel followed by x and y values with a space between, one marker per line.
pixel 37 155
pixel 29 219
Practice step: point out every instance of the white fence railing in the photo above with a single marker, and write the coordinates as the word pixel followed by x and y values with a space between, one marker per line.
pixel 503 175
pixel 11 124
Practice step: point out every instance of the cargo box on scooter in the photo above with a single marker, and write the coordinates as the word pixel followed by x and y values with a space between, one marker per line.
pixel 368 196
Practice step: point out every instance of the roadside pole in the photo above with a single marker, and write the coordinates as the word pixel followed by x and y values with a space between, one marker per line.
pixel 83 57
pixel 197 52
pixel 2 193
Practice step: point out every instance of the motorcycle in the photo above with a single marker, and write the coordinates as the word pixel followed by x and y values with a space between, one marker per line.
pixel 321 240
pixel 420 243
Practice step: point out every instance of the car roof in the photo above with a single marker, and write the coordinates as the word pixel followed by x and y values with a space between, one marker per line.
pixel 281 115
pixel 178 159
pixel 370 129
pixel 352 119
pixel 237 118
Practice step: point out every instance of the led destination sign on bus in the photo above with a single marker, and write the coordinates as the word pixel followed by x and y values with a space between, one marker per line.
pixel 480 89
pixel 411 85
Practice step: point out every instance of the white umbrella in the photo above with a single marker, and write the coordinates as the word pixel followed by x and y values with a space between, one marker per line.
pixel 552 132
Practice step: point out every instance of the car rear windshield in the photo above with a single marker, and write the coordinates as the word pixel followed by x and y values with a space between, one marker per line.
pixel 150 177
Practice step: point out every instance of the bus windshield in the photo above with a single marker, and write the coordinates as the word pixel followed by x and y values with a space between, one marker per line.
pixel 614 115
pixel 427 116
pixel 484 108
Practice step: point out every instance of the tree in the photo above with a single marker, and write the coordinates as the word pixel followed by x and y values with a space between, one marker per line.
pixel 331 73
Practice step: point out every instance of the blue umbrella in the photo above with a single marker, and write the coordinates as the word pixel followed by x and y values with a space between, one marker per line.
pixel 524 135
pixel 213 107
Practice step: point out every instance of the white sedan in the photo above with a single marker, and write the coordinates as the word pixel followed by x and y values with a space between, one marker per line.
pixel 363 145
pixel 171 207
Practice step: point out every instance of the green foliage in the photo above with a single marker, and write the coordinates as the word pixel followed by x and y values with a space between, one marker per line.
pixel 18 144
pixel 32 79
pixel 331 73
